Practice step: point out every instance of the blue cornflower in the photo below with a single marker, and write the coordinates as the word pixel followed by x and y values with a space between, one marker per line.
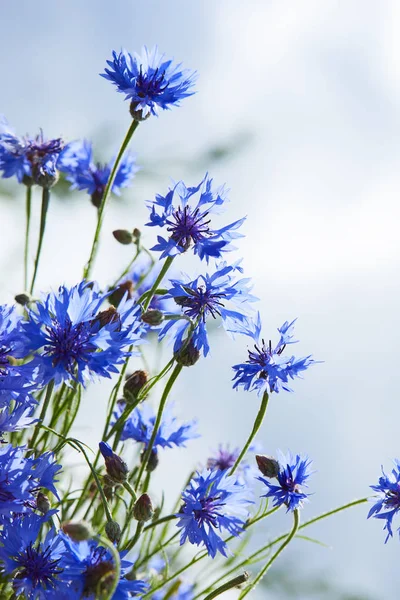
pixel 149 81
pixel 34 565
pixel 225 457
pixel 293 473
pixel 140 424
pixel 389 503
pixel 209 295
pixel 267 369
pixel 185 591
pixel 76 339
pixel 87 564
pixel 34 158
pixel 185 214
pixel 84 174
pixel 213 502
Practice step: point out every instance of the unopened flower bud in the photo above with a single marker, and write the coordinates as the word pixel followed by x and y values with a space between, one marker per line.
pixel 113 531
pixel 120 291
pixel 143 509
pixel 97 197
pixel 188 355
pixel 105 317
pixel 153 317
pixel 27 180
pixel 137 114
pixel 123 236
pixel 44 176
pixel 153 460
pixel 116 468
pixel 22 299
pixel 134 384
pixel 78 531
pixel 268 465
pixel 42 503
pixel 136 233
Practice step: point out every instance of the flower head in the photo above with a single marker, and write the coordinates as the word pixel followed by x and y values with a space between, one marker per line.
pixel 34 158
pixel 34 565
pixel 213 502
pixel 388 505
pixel 84 174
pixel 78 340
pixel 220 294
pixel 287 487
pixel 267 368
pixel 185 213
pixel 149 81
pixel 225 457
pixel 15 418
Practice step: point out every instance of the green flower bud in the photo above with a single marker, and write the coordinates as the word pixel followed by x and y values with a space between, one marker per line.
pixel 143 509
pixel 268 466
pixel 188 355
pixel 78 531
pixel 22 299
pixel 152 317
pixel 123 236
pixel 113 531
pixel 134 384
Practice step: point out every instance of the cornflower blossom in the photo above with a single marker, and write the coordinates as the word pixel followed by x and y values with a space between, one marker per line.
pixel 225 457
pixel 34 565
pixel 149 81
pixel 76 339
pixel 213 502
pixel 21 478
pixel 185 213
pixel 84 174
pixel 388 505
pixel 267 368
pixel 34 159
pixel 288 489
pixel 139 427
pixel 209 295
pixel 87 564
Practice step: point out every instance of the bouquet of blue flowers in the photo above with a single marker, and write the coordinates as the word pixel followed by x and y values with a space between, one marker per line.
pixel 108 538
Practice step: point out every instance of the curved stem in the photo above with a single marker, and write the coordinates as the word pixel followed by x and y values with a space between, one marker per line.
pixel 296 522
pixel 256 427
pixel 160 277
pixel 127 269
pixel 43 215
pixel 159 521
pixel 100 216
pixel 235 582
pixel 163 401
pixel 27 229
pixel 117 564
pixel 42 415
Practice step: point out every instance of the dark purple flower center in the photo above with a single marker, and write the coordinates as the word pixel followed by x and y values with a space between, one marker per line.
pixel 68 343
pixel 262 356
pixel 200 302
pixel 39 150
pixel 37 565
pixel 392 499
pixel 188 227
pixel 209 511
pixel 150 84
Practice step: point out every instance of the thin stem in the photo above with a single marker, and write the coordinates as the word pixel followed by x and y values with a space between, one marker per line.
pixel 131 544
pixel 256 427
pixel 117 564
pixel 100 216
pixel 42 415
pixel 147 454
pixel 130 490
pixel 43 215
pixel 235 582
pixel 28 205
pixel 159 521
pixel 127 269
pixel 160 277
pixel 296 522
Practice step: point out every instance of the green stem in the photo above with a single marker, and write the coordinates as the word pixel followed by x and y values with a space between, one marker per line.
pixel 161 275
pixel 43 215
pixel 159 521
pixel 130 490
pixel 235 582
pixel 117 564
pixel 296 522
pixel 127 269
pixel 147 454
pixel 131 544
pixel 100 216
pixel 27 229
pixel 42 415
pixel 256 427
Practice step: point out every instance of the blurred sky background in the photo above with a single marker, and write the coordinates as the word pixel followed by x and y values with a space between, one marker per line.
pixel 305 95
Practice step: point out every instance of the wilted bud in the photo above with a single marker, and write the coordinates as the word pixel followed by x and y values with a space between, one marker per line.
pixel 153 317
pixel 78 531
pixel 137 114
pixel 153 460
pixel 188 355
pixel 123 236
pixel 143 509
pixel 22 299
pixel 116 468
pixel 110 315
pixel 42 503
pixel 120 291
pixel 134 384
pixel 113 531
pixel 268 465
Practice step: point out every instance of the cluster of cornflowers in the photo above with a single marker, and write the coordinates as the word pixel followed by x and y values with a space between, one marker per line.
pixel 60 342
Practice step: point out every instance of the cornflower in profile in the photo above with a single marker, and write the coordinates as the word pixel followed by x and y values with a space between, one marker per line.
pixel 84 174
pixel 388 505
pixel 267 368
pixel 149 81
pixel 212 503
pixel 186 214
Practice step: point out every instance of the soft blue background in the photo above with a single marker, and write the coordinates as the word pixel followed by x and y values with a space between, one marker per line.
pixel 308 93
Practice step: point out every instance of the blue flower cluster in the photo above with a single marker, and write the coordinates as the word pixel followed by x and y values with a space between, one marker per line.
pixel 388 504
